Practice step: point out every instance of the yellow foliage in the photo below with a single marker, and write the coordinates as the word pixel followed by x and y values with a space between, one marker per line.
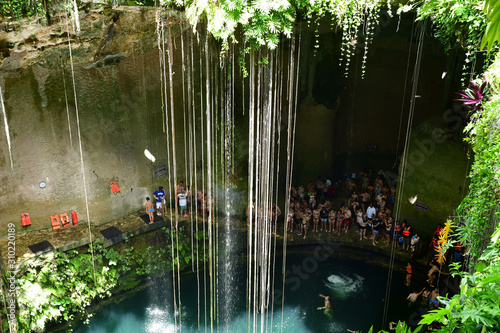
pixel 442 241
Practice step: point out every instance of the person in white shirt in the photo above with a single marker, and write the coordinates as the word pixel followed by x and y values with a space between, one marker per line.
pixel 371 211
pixel 182 203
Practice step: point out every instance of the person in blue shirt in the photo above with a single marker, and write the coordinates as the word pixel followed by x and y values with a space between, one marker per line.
pixel 159 195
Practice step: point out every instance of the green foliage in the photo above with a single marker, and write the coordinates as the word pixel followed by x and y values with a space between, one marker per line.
pixel 60 286
pixel 17 9
pixel 492 33
pixel 457 24
pixel 57 286
pixel 477 306
pixel 355 17
pixel 479 207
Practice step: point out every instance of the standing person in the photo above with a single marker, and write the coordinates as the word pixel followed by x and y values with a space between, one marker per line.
pixel 316 215
pixel 365 197
pixel 351 187
pixel 312 198
pixel 275 213
pixel 323 215
pixel 414 241
pixel 409 271
pixel 376 225
pixel 331 220
pixel 188 198
pixel 149 210
pixel 363 224
pixel 159 195
pixel 340 219
pixel 371 211
pixel 182 203
pixel 406 236
pixel 289 218
pixel 179 188
pixel 388 230
pixel 305 222
pixel 397 232
pixel 347 218
pixel 199 203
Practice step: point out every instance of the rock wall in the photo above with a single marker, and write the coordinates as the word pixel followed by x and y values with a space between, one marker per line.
pixel 95 110
pixel 102 104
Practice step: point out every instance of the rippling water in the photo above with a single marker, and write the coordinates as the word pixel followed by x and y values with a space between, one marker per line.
pixel 357 291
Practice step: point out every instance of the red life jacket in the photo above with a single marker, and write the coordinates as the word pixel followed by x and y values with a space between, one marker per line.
pixel 408 269
pixel 397 229
pixel 406 231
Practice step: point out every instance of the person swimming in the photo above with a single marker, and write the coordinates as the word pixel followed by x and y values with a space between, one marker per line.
pixel 328 306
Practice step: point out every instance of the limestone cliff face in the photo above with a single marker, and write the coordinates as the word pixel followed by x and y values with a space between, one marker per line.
pixel 101 105
pixel 112 78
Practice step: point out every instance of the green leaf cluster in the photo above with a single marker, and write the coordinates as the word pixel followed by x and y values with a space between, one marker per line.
pixel 60 286
pixel 477 307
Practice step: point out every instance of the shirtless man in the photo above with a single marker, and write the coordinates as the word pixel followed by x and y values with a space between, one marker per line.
pixel 351 187
pixel 316 214
pixel 433 301
pixel 199 202
pixel 362 224
pixel 305 221
pixel 365 198
pixel 432 273
pixel 179 188
pixel 299 215
pixel 414 295
pixel 149 210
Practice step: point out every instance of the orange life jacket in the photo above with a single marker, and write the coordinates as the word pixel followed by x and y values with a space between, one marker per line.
pixel 408 269
pixel 406 231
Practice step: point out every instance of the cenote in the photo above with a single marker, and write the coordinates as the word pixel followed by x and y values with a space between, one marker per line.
pixel 227 165
pixel 357 290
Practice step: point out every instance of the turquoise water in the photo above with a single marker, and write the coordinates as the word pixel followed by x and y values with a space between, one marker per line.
pixel 357 291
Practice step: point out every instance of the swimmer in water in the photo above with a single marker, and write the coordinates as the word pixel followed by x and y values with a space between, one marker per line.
pixel 328 306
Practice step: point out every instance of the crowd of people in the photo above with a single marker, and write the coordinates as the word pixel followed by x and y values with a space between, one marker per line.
pixel 366 205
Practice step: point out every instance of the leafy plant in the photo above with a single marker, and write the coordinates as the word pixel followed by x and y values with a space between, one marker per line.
pixel 477 307
pixel 60 286
pixel 492 33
